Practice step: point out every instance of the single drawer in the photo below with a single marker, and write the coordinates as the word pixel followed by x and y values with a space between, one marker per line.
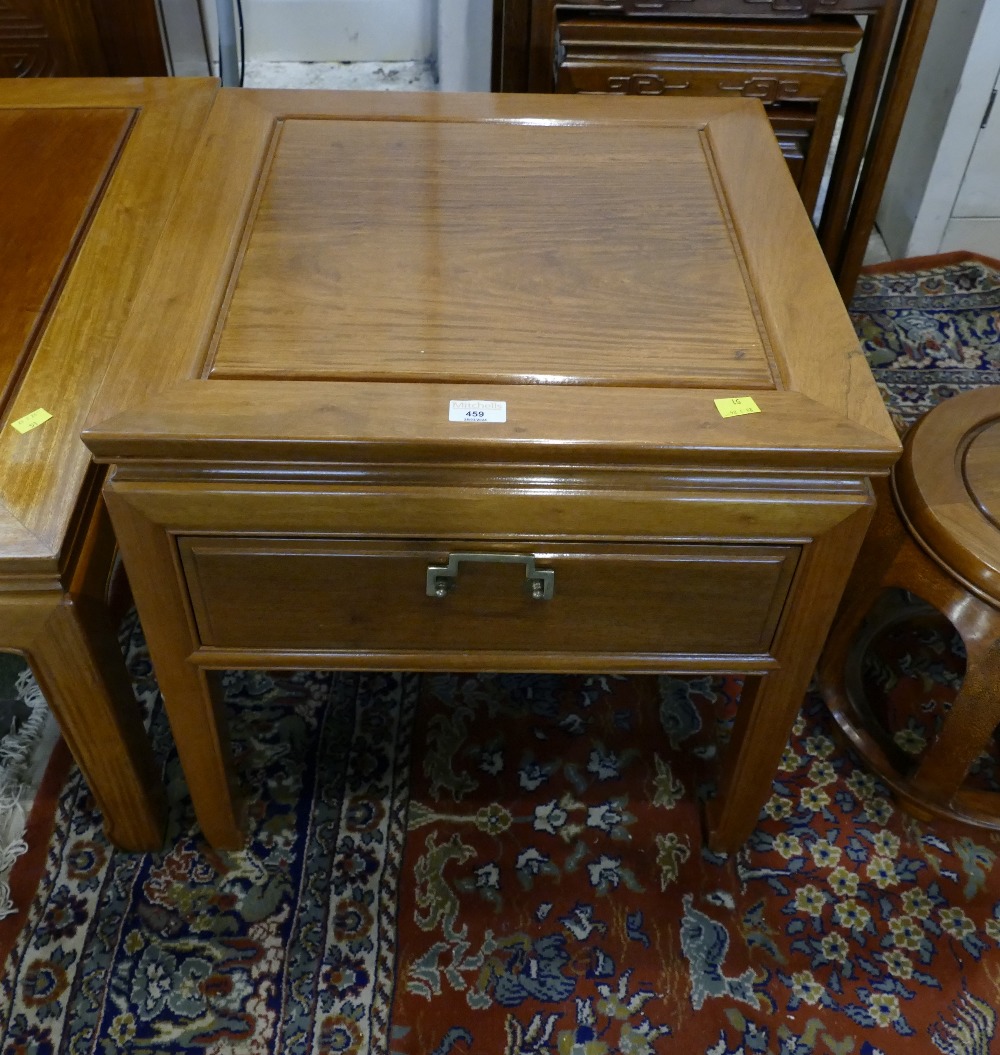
pixel 348 597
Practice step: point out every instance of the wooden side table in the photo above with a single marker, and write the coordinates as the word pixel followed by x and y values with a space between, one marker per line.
pixel 419 391
pixel 525 42
pixel 936 535
pixel 89 170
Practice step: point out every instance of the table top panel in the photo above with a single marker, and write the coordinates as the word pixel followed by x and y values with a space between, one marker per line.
pixel 57 163
pixel 478 252
pixel 346 264
pixel 88 169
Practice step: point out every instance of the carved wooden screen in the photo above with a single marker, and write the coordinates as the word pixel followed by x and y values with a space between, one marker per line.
pixel 80 38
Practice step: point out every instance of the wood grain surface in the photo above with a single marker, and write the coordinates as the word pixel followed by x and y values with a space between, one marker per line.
pixel 49 204
pixel 45 470
pixel 483 253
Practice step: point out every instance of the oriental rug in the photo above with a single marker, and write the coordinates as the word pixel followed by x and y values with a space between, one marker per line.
pixel 514 865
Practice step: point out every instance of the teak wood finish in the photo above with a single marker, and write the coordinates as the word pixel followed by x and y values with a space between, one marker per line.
pixel 936 535
pixel 528 52
pixel 287 488
pixel 87 174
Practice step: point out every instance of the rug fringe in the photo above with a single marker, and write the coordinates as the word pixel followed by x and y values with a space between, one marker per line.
pixel 17 750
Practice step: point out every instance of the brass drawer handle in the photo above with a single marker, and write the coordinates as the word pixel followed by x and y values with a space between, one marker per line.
pixel 540 582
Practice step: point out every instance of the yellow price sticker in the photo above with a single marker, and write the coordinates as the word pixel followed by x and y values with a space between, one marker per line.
pixel 31 421
pixel 733 408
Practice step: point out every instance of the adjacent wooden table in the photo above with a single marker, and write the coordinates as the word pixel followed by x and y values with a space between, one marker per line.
pixel 87 173
pixel 405 395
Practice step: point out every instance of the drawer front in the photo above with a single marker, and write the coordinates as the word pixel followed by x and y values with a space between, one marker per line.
pixel 369 597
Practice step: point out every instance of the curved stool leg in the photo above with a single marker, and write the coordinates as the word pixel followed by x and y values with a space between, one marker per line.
pixel 969 725
pixel 934 786
pixel 886 554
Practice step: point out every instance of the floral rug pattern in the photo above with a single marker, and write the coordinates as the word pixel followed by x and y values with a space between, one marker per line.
pixel 478 864
pixel 930 332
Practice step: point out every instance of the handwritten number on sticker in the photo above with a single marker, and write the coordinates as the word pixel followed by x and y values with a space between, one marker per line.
pixel 735 407
pixel 31 421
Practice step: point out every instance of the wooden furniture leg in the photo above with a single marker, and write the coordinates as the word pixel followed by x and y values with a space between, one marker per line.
pixel 910 39
pixel 974 714
pixel 770 703
pixel 73 651
pixel 192 696
pixel 933 786
pixel 861 107
pixel 71 644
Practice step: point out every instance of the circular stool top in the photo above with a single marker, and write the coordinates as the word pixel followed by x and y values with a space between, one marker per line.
pixel 947 486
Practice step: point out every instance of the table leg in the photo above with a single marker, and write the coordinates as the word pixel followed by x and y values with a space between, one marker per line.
pixel 770 702
pixel 192 696
pixel 73 650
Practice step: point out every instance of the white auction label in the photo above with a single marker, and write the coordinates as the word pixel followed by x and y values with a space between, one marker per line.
pixel 477 410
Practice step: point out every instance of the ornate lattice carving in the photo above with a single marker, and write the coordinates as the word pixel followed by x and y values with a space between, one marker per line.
pixel 643 84
pixel 767 89
pixel 25 46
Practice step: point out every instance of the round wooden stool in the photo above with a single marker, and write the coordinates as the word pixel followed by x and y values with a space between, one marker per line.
pixel 936 534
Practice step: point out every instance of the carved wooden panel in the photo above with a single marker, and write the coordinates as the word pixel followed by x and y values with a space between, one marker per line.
pixel 129 32
pixel 80 38
pixel 794 69
pixel 26 49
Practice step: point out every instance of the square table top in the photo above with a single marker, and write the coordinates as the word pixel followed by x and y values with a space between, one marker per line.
pixel 464 251
pixel 339 266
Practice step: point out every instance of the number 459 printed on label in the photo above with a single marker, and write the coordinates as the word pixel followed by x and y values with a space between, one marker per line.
pixel 477 410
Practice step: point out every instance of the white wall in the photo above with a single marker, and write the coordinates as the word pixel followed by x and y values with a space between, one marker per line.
pixel 335 30
pixel 464 45
pixel 941 126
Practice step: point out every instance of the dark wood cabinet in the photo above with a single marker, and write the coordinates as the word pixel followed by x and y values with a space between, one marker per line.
pixel 80 38
pixel 788 53
pixel 794 68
